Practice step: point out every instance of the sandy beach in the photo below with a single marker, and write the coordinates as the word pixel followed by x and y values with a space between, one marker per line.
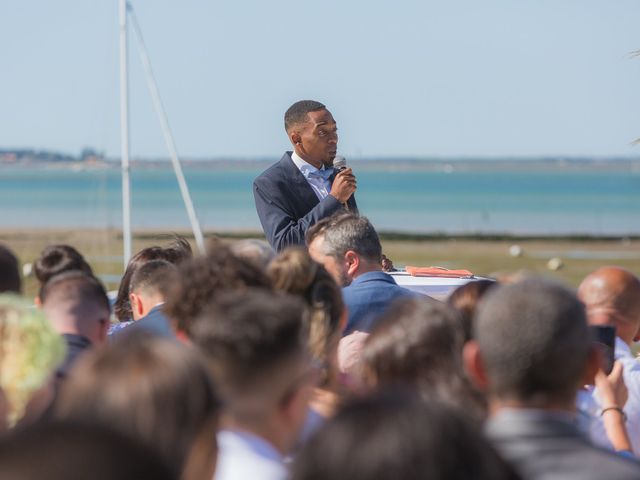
pixel 489 257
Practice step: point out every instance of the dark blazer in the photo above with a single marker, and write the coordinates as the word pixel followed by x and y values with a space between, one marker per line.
pixel 368 297
pixel 545 447
pixel 76 346
pixel 287 205
pixel 154 322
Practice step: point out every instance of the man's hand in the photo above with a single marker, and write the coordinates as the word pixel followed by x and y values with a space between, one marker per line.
pixel 611 388
pixel 344 185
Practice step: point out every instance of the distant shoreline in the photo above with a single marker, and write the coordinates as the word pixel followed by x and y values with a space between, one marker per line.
pixel 439 164
pixel 147 234
pixel 485 255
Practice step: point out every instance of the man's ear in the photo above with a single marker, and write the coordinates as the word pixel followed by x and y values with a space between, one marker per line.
pixel 295 137
pixel 351 263
pixel 136 304
pixel 474 365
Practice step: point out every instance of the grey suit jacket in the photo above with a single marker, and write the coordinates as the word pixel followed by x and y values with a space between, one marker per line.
pixel 543 446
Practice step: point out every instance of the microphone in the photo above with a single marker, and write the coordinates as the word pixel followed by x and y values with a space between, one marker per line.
pixel 340 164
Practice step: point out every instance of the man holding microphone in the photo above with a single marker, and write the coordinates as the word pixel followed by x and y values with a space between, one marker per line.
pixel 302 188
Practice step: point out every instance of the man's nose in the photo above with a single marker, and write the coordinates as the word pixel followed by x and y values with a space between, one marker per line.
pixel 333 138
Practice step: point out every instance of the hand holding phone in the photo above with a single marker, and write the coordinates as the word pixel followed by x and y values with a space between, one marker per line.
pixel 605 337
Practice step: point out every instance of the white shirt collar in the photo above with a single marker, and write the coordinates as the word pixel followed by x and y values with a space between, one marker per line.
pixel 305 167
pixel 622 349
pixel 244 440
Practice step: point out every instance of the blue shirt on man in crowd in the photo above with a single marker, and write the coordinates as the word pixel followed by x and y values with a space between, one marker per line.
pixel 368 296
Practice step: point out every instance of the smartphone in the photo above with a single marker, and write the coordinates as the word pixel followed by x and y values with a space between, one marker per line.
pixel 605 337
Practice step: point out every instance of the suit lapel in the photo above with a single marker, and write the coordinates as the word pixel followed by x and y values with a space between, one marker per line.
pixel 306 197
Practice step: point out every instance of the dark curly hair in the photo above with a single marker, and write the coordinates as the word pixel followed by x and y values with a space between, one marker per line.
pixel 200 279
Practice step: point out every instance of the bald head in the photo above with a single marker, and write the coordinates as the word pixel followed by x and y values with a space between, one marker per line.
pixel 612 297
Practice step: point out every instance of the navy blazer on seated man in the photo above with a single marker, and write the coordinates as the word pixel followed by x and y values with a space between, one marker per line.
pixel 287 205
pixel 155 322
pixel 368 296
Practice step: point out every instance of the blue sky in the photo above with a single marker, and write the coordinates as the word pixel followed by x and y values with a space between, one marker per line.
pixel 402 78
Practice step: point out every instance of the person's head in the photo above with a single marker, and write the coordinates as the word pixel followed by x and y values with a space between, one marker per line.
pixel 153 389
pixel 293 271
pixel 9 272
pixel 57 259
pixel 393 436
pixel 465 300
pixel 346 245
pixel 255 343
pixel 30 352
pixel 312 132
pixel 418 343
pixel 200 279
pixel 254 251
pixel 76 303
pixel 65 450
pixel 148 286
pixel 532 346
pixel 178 251
pixel 612 297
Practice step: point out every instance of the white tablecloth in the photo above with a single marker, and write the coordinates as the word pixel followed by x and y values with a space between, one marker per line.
pixel 436 287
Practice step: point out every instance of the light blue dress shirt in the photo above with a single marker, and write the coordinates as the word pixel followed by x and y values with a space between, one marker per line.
pixel 318 179
pixel 631 374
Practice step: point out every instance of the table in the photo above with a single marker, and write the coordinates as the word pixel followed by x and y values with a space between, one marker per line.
pixel 436 287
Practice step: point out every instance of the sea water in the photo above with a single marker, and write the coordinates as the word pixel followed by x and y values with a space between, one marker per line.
pixel 417 200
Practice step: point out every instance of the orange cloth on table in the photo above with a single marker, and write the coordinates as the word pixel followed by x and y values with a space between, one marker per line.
pixel 437 272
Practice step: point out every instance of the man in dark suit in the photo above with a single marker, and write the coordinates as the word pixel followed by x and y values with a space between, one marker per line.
pixel 348 247
pixel 77 307
pixel 531 352
pixel 302 187
pixel 147 295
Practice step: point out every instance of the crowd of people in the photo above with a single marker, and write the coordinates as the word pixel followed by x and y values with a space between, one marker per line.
pixel 311 363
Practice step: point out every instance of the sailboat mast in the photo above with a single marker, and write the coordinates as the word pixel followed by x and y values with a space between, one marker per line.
pixel 124 133
pixel 168 136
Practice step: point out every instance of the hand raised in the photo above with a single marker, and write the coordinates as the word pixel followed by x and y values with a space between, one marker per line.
pixel 612 390
pixel 344 185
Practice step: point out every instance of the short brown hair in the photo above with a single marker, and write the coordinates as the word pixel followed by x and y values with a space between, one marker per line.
pixel 533 339
pixel 251 338
pixel 418 342
pixel 154 389
pixel 75 286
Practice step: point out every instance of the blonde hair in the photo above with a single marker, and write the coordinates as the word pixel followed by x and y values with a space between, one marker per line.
pixel 293 271
pixel 30 350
